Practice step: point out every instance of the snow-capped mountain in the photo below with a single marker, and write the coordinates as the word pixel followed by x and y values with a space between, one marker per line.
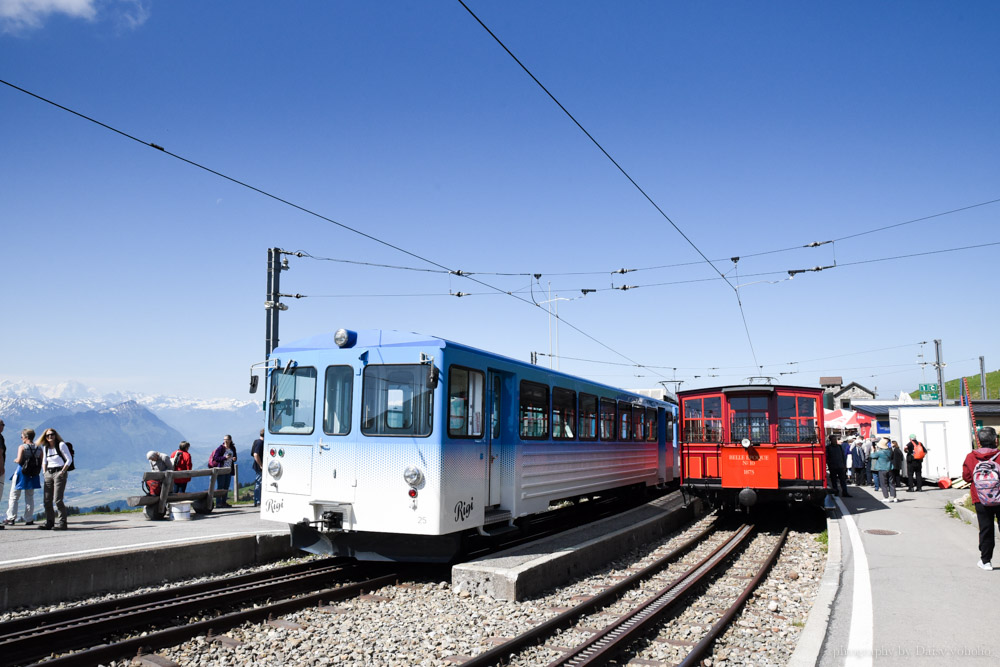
pixel 112 432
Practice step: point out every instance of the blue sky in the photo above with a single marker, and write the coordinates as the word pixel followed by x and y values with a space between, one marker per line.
pixel 754 126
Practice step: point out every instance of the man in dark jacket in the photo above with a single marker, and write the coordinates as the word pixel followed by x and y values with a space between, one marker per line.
pixel 838 467
pixel 987 515
pixel 914 465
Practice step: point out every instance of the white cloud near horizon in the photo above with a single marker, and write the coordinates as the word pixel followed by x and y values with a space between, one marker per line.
pixel 18 16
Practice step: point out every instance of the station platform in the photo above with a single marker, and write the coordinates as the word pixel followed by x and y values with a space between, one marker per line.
pixel 902 586
pixel 102 553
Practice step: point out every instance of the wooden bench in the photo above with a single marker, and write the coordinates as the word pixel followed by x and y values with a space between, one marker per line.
pixel 202 502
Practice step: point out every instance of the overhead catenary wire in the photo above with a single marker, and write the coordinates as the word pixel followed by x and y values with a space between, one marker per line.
pixel 309 212
pixel 620 169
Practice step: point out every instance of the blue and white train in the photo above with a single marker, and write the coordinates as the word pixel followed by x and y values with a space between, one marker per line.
pixel 385 445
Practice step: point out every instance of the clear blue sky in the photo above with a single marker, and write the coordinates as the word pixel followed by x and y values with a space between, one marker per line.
pixel 754 126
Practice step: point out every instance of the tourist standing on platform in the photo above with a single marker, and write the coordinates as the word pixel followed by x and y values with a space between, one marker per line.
pixel 27 477
pixel 866 445
pixel 897 463
pixel 837 466
pixel 257 452
pixel 56 459
pixel 224 456
pixel 982 469
pixel 858 460
pixel 882 464
pixel 915 453
pixel 182 461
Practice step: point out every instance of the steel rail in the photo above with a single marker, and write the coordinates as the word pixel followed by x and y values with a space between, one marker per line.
pixel 34 621
pixel 608 596
pixel 176 635
pixel 604 645
pixel 75 633
pixel 702 647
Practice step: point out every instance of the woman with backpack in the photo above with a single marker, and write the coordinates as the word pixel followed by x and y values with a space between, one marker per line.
pixel 27 478
pixel 915 453
pixel 57 459
pixel 982 469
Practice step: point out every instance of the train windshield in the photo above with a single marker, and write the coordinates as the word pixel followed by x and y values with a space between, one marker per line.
pixel 396 400
pixel 293 400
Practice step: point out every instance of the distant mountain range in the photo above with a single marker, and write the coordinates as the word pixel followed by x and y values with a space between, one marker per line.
pixel 111 433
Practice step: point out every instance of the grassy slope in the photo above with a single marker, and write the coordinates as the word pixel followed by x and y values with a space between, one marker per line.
pixel 952 387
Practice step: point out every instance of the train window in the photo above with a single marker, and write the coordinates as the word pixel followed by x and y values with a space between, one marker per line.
pixel 609 416
pixel 797 419
pixel 337 403
pixel 563 414
pixel 651 424
pixel 396 401
pixel 703 419
pixel 749 419
pixel 624 421
pixel 466 402
pixel 534 411
pixel 293 400
pixel 638 423
pixel 588 417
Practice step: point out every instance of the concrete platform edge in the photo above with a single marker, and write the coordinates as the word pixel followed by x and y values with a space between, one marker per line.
pixel 548 570
pixel 813 635
pixel 75 578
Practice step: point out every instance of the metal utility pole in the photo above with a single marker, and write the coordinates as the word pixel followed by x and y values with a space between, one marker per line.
pixel 939 365
pixel 272 305
pixel 982 378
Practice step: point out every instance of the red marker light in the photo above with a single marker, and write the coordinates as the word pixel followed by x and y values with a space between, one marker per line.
pixel 272 451
pixel 413 493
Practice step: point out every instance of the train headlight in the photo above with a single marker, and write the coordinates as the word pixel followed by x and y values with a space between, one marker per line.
pixel 274 469
pixel 345 338
pixel 745 442
pixel 413 476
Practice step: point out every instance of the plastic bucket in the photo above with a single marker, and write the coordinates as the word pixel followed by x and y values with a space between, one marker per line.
pixel 181 511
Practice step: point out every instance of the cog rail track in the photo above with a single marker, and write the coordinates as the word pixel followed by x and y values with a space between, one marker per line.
pixel 616 637
pixel 37 637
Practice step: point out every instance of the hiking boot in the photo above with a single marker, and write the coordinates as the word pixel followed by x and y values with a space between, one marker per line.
pixel 985 566
pixel 8 522
pixel 61 526
pixel 29 523
pixel 45 526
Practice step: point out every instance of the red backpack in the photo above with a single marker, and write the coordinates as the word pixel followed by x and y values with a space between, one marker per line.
pixel 919 452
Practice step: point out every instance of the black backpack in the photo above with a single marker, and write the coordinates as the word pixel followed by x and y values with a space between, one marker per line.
pixel 69 446
pixel 33 466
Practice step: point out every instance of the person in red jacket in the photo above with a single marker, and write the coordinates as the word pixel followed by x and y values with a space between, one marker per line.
pixel 987 515
pixel 182 461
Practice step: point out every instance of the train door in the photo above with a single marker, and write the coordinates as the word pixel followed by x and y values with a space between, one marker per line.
pixel 493 438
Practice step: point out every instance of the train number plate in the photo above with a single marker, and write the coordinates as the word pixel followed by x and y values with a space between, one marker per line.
pixel 755 467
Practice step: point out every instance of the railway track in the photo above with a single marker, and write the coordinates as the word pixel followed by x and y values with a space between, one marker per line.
pixel 649 597
pixel 82 629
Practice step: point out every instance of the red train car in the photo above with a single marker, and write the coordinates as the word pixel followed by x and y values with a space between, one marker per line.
pixel 753 443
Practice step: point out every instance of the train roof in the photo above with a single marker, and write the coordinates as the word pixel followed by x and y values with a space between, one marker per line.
pixel 392 338
pixel 739 388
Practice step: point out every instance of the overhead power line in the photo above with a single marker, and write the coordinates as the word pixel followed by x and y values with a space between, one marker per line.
pixel 620 168
pixel 314 214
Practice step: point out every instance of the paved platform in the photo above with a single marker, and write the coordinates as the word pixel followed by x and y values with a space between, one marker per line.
pixel 906 585
pixel 519 573
pixel 120 552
